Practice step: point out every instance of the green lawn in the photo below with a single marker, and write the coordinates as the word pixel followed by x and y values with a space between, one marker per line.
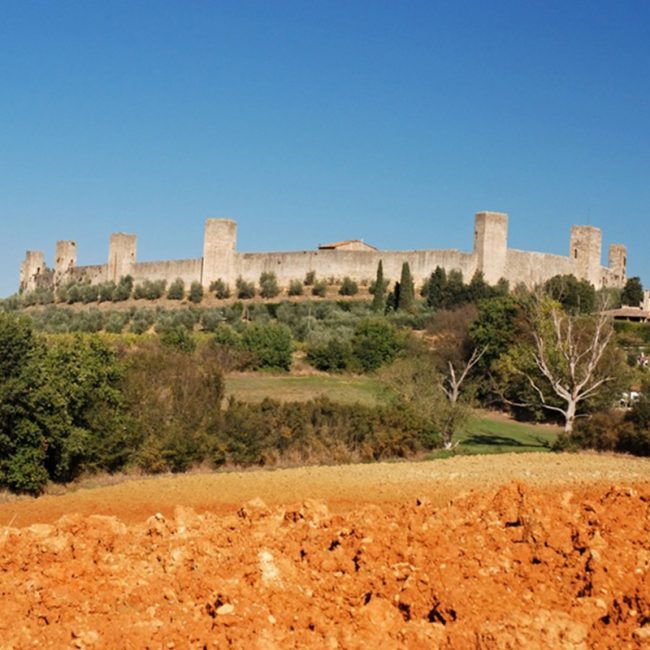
pixel 484 433
pixel 493 434
pixel 289 388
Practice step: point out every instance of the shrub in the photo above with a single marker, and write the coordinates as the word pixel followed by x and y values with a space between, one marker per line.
pixel 271 343
pixel 334 355
pixel 319 289
pixel 123 289
pixel 89 293
pixel 310 278
pixel 142 320
pixel 176 290
pixel 116 322
pixel 374 343
pixel 73 293
pixel 106 291
pixel 269 285
pixel 220 289
pixel 295 288
pixel 245 289
pixel 348 287
pixel 178 338
pixel 196 292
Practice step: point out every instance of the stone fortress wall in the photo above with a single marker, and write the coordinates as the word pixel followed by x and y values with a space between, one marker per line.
pixel 221 260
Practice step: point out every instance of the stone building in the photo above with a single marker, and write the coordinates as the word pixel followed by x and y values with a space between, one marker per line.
pixel 352 258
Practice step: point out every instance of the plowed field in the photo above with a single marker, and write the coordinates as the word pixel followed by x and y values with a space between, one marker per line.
pixel 514 551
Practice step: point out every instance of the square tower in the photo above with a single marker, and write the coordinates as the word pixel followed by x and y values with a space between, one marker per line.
pixel 219 243
pixel 585 251
pixel 491 244
pixel 121 256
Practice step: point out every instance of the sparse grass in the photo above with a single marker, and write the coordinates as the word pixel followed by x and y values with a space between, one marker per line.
pixel 287 388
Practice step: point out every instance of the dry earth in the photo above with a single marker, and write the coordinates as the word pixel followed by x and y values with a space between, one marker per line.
pixel 513 551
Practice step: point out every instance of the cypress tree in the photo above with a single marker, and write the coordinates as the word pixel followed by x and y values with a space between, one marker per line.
pixel 379 290
pixel 407 290
pixel 437 288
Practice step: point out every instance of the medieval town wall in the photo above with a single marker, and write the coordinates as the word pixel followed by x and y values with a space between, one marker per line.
pixel 187 270
pixel 220 260
pixel 358 265
pixel 535 268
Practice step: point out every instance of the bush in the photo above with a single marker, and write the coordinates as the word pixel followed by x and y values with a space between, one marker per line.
pixel 295 288
pixel 319 289
pixel 176 290
pixel 178 338
pixel 116 321
pixel 245 289
pixel 269 285
pixel 374 343
pixel 106 291
pixel 196 292
pixel 310 278
pixel 334 355
pixel 348 287
pixel 123 289
pixel 142 320
pixel 89 293
pixel 271 343
pixel 220 289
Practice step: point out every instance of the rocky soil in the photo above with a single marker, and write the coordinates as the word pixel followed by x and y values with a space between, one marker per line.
pixel 552 561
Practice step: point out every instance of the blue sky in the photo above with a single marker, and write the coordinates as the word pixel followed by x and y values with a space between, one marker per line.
pixel 314 121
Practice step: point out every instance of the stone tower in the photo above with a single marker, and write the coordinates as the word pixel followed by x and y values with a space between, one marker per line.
pixel 491 244
pixel 585 250
pixel 219 244
pixel 121 255
pixel 65 260
pixel 617 263
pixel 31 268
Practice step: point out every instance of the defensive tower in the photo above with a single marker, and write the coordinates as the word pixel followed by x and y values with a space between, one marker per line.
pixel 121 255
pixel 491 244
pixel 219 243
pixel 617 263
pixel 31 269
pixel 585 250
pixel 66 259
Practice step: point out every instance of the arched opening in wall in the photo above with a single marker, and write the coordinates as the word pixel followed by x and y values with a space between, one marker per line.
pixel 575 253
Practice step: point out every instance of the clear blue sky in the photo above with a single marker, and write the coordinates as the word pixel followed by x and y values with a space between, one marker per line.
pixel 322 120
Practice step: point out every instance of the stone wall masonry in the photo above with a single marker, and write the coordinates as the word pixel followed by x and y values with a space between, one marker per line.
pixel 358 265
pixel 535 268
pixel 94 274
pixel 187 270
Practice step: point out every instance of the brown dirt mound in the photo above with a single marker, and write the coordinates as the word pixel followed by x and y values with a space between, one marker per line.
pixel 516 566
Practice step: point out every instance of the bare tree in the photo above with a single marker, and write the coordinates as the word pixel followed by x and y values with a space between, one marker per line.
pixel 452 382
pixel 573 356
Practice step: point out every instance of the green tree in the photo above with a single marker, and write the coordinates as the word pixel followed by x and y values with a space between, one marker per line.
pixel 196 292
pixel 435 289
pixel 575 296
pixel 244 289
pixel 269 285
pixel 176 290
pixel 25 407
pixel 375 342
pixel 632 292
pixel 406 301
pixel 568 360
pixel 220 289
pixel 348 287
pixel 378 290
pixel 271 343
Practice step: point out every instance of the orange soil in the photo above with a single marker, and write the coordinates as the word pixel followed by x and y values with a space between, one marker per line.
pixel 536 551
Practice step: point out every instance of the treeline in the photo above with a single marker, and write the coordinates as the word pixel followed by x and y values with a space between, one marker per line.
pixel 83 403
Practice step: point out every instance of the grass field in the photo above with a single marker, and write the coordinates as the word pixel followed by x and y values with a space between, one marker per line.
pixel 485 433
pixel 291 388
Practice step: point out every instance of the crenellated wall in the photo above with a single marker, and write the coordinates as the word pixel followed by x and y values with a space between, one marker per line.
pixel 221 260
